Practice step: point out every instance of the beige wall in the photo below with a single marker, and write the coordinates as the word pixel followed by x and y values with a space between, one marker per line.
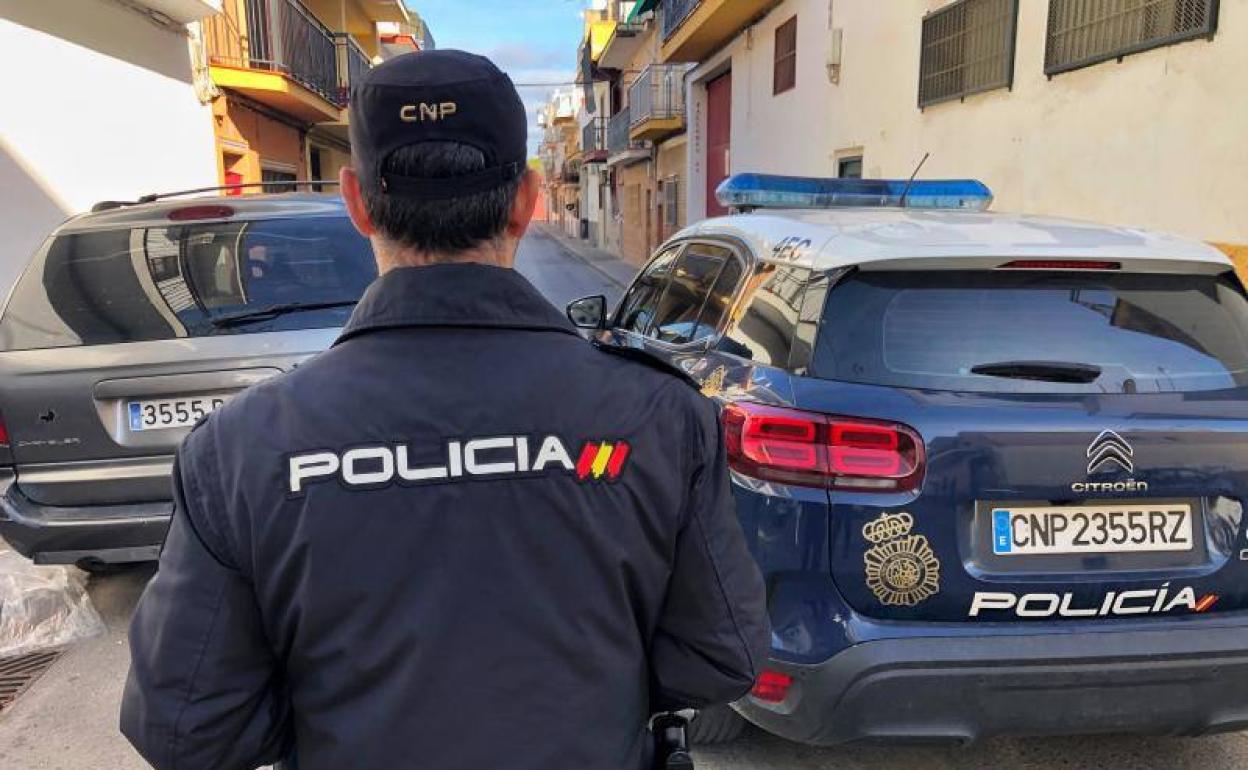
pixel 635 187
pixel 1159 140
pixel 671 167
pixel 249 141
pixel 638 226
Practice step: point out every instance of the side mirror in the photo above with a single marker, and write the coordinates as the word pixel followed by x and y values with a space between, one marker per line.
pixel 588 312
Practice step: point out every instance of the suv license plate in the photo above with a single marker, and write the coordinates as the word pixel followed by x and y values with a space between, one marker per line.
pixel 1092 529
pixel 156 414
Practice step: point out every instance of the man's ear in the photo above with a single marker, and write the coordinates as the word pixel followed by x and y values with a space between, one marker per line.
pixel 351 195
pixel 526 201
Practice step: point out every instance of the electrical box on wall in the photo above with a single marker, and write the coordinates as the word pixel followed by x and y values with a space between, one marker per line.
pixel 834 55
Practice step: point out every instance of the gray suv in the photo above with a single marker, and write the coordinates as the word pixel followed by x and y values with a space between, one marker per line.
pixel 129 325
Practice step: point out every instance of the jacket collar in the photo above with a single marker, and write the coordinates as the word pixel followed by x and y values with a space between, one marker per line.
pixel 454 295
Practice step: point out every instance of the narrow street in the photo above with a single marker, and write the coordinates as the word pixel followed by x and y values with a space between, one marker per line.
pixel 558 273
pixel 68 719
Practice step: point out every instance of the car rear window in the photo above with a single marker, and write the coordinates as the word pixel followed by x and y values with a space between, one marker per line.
pixel 930 329
pixel 151 283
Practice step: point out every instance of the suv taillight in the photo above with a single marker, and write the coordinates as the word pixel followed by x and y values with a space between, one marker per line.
pixel 818 450
pixel 6 453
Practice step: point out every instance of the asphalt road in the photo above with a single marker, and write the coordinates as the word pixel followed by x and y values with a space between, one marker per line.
pixel 68 719
pixel 559 275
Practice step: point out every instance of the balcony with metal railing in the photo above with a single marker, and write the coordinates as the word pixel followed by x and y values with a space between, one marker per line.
pixel 657 102
pixel 279 53
pixel 594 141
pixel 353 65
pixel 672 13
pixel 691 29
pixel 622 148
pixel 619 49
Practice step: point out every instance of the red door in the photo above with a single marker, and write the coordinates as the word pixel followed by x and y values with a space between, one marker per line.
pixel 718 138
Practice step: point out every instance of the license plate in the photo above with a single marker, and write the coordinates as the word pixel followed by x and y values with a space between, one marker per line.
pixel 160 413
pixel 1092 529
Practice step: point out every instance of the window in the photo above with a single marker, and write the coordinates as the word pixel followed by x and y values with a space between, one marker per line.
pixel 764 330
pixel 967 48
pixel 637 308
pixel 677 319
pixel 1085 32
pixel 130 285
pixel 1145 333
pixel 719 302
pixel 784 76
pixel 273 175
pixel 849 167
pixel 315 168
pixel 671 201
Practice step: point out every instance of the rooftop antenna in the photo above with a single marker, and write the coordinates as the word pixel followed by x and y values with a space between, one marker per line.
pixel 906 190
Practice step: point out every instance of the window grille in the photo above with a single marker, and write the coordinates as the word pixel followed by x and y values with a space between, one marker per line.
pixel 671 201
pixel 784 73
pixel 1086 32
pixel 967 48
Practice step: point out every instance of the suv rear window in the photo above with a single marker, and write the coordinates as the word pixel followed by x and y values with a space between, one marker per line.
pixel 152 283
pixel 1145 333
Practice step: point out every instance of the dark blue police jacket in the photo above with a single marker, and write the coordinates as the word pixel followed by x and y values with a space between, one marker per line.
pixel 462 537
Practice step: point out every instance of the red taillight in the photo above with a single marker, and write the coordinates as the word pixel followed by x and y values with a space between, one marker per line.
pixel 4 433
pixel 817 450
pixel 1060 264
pixel 772 687
pixel 191 213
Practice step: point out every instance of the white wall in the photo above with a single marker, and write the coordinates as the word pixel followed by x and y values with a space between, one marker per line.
pixel 1159 140
pixel 98 104
pixel 786 133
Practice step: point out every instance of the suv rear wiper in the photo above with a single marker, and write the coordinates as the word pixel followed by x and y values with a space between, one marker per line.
pixel 273 311
pixel 1045 371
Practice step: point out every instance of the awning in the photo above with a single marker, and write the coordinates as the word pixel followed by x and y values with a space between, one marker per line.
pixel 642 7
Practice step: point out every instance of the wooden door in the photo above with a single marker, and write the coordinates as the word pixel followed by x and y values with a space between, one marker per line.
pixel 718 139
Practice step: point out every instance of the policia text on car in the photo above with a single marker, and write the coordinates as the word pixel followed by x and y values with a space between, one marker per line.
pixel 460 525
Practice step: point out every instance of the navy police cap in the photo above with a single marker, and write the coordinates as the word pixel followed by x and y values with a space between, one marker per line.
pixel 437 96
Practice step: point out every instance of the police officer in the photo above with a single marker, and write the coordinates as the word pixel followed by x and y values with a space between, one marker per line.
pixel 463 537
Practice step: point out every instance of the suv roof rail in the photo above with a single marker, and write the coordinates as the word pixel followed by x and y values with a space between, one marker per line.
pixel 151 197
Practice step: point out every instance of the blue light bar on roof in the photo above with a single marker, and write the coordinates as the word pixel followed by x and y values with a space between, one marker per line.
pixel 749 191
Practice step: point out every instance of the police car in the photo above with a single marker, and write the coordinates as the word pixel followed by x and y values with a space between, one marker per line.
pixel 992 466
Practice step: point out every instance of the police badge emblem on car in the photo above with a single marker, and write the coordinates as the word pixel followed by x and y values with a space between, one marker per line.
pixel 901 568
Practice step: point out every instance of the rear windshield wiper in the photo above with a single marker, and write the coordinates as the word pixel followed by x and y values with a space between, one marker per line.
pixel 273 311
pixel 1044 371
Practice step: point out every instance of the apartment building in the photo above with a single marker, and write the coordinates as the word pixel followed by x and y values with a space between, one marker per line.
pixel 281 73
pixel 1120 111
pixel 560 156
pixel 595 83
pixel 645 135
pixel 101 104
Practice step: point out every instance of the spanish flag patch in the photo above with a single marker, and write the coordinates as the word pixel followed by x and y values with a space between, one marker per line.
pixel 601 460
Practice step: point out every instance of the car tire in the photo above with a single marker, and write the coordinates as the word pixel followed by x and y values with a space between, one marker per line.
pixel 719 724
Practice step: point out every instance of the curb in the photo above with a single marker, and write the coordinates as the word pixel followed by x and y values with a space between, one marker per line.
pixel 553 232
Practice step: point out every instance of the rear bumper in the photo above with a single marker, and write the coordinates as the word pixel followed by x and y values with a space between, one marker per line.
pixel 67 535
pixel 1188 679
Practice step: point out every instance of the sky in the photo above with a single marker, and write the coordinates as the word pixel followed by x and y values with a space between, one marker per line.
pixel 533 41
